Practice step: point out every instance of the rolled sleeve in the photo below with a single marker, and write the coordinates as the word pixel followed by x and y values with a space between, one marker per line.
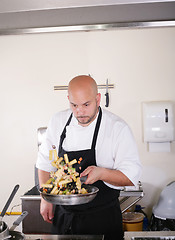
pixel 43 162
pixel 51 138
pixel 126 156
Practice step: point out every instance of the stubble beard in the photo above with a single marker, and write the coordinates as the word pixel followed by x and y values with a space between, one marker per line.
pixel 85 120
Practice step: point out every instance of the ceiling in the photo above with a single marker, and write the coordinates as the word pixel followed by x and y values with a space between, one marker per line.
pixel 31 16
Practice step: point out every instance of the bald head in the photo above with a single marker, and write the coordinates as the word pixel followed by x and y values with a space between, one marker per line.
pixel 84 99
pixel 83 83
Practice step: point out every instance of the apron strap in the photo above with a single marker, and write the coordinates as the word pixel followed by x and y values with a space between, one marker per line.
pixel 63 135
pixel 96 129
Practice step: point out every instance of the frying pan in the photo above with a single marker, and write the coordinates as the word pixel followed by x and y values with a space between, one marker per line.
pixel 72 199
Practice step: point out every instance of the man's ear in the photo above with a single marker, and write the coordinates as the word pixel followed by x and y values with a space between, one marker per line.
pixel 98 97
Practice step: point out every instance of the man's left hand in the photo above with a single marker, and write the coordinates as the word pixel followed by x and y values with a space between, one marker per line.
pixel 94 174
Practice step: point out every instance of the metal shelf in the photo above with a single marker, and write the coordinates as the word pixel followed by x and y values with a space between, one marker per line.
pixel 128 192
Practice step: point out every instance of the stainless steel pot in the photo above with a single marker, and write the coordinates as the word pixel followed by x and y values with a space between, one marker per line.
pixel 9 233
pixel 15 235
pixel 5 231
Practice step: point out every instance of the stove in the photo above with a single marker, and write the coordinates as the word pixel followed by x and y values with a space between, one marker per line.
pixel 64 237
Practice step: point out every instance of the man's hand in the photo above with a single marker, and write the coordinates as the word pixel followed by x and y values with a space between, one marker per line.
pixel 94 174
pixel 111 176
pixel 46 210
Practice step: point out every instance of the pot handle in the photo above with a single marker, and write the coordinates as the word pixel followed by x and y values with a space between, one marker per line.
pixel 19 220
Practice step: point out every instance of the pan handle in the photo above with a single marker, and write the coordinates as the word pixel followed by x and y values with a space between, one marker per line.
pixel 9 200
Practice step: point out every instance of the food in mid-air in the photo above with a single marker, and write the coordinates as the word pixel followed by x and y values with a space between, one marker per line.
pixel 65 180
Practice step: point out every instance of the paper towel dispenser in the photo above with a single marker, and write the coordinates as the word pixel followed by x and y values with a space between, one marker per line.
pixel 158 122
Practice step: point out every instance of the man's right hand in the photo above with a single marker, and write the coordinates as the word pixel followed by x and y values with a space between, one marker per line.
pixel 46 210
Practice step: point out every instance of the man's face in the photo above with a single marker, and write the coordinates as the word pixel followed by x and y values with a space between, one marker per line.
pixel 84 105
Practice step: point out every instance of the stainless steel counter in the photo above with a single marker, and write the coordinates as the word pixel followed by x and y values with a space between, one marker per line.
pixel 168 235
pixel 151 234
pixel 64 237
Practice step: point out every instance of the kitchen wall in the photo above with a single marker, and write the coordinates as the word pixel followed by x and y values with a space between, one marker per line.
pixel 140 62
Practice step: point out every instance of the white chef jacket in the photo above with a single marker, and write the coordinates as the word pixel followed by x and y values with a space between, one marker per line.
pixel 115 146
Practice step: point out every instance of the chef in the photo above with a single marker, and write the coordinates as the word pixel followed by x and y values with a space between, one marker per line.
pixel 110 160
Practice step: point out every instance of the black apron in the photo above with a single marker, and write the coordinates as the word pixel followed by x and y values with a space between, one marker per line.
pixel 101 216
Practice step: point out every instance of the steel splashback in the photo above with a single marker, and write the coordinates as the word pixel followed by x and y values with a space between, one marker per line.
pixel 23 17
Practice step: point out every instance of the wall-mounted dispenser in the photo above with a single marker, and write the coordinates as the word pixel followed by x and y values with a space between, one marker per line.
pixel 158 125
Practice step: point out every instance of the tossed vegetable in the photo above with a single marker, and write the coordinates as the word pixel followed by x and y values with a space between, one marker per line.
pixel 65 180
